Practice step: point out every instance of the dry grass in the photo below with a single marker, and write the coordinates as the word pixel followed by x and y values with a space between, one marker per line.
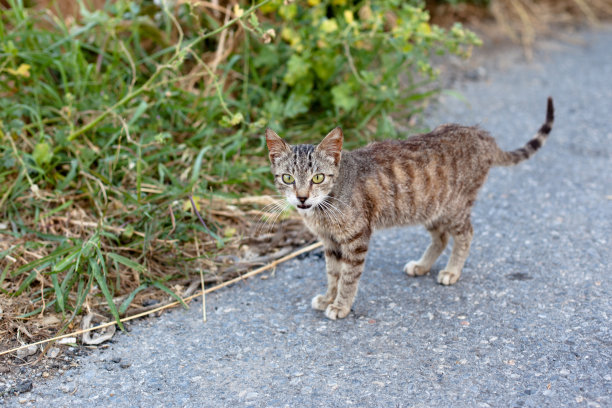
pixel 250 242
pixel 88 327
pixel 523 21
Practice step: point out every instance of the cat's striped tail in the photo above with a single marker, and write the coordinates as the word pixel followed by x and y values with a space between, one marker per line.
pixel 516 156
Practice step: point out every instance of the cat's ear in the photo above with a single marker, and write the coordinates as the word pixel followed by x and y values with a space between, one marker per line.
pixel 276 145
pixel 332 145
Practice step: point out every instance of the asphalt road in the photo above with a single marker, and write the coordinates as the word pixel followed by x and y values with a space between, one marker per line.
pixel 528 324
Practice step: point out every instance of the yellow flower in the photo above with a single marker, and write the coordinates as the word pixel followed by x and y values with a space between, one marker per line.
pixel 236 119
pixel 348 17
pixel 196 200
pixel 313 3
pixel 23 71
pixel 289 35
pixel 238 11
pixel 424 28
pixel 329 25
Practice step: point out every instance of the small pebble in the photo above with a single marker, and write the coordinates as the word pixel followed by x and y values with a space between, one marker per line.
pixel 149 302
pixel 53 352
pixel 23 386
pixel 251 395
pixel 28 351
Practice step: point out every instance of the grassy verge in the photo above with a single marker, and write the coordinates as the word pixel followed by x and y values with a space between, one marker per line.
pixel 113 119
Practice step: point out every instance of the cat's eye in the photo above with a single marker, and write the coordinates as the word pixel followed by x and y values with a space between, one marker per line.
pixel 318 178
pixel 288 178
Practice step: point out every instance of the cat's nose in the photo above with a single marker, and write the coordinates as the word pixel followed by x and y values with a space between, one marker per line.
pixel 302 199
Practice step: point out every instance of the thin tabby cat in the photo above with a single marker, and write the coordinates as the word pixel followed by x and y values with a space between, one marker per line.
pixel 430 179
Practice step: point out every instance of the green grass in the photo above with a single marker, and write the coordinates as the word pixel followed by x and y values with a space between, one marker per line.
pixel 102 130
pixel 110 124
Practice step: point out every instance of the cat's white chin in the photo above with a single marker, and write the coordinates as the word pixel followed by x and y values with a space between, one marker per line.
pixel 305 211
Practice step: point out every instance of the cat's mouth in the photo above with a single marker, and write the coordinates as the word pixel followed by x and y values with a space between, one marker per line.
pixel 303 206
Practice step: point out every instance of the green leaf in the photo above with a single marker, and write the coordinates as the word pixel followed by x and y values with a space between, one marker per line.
pixel 3 275
pixel 25 283
pixel 70 176
pixel 197 164
pixel 101 279
pixel 163 287
pixel 344 97
pixel 82 293
pixel 324 68
pixel 267 57
pixel 42 154
pixel 37 310
pixel 274 106
pixel 67 261
pixel 127 262
pixel 142 107
pixel 69 279
pixel 297 68
pixel 385 127
pixel 296 104
pixel 58 292
pixel 59 208
pixel 254 20
pixel 126 303
pixel 288 12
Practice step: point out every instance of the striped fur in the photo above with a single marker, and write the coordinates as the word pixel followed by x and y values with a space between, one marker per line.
pixel 430 179
pixel 518 155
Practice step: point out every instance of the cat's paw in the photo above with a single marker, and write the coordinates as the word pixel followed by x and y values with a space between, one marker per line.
pixel 335 312
pixel 448 277
pixel 412 268
pixel 320 302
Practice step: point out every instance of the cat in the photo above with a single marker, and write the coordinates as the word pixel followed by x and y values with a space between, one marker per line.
pixel 430 179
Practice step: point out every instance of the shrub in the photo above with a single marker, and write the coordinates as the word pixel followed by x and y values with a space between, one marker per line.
pixel 347 63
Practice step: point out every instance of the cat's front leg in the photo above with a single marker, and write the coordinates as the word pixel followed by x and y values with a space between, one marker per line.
pixel 347 289
pixel 352 263
pixel 332 265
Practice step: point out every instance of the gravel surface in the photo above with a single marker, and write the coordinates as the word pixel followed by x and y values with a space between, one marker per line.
pixel 528 324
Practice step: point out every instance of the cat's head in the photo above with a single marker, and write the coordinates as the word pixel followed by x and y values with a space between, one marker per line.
pixel 305 174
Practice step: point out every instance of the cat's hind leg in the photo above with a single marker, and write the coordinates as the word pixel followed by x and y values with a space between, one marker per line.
pixel 462 234
pixel 439 240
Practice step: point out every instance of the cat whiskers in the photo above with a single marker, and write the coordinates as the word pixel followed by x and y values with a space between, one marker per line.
pixel 331 211
pixel 266 222
pixel 339 201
